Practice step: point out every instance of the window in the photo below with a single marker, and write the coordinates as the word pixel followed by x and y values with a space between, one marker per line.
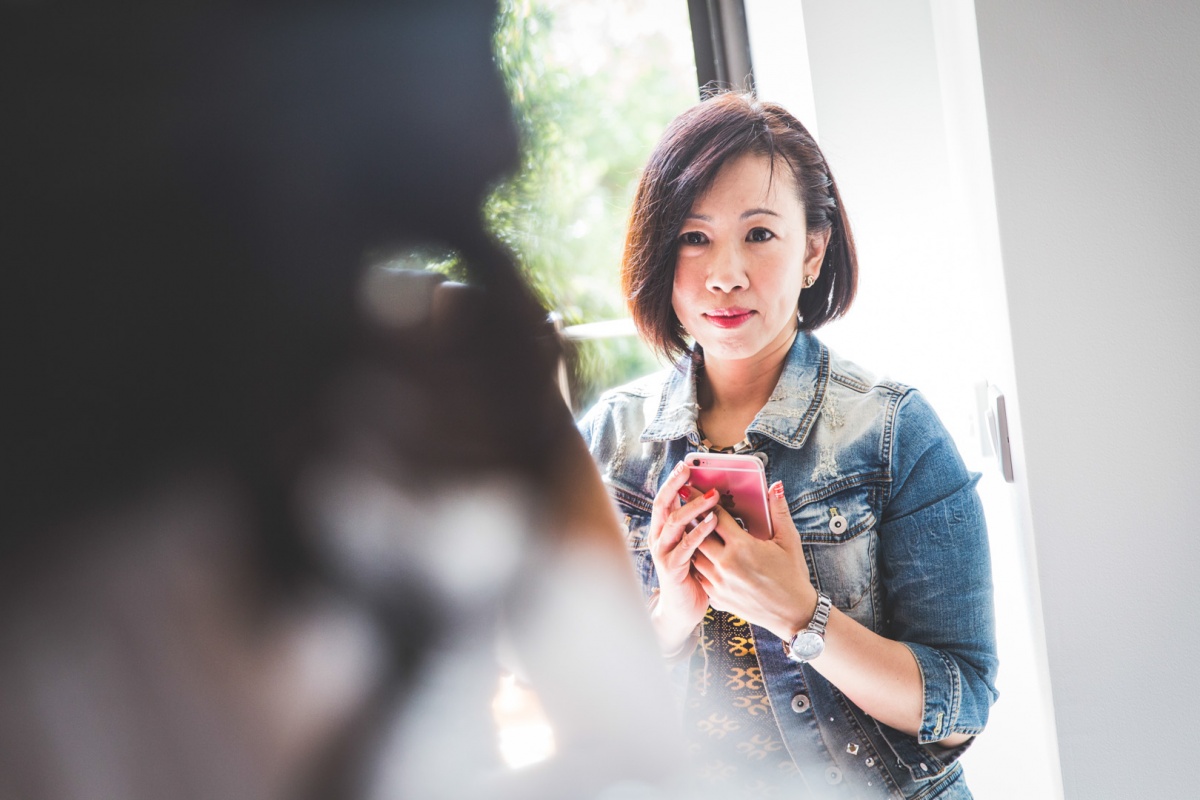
pixel 593 84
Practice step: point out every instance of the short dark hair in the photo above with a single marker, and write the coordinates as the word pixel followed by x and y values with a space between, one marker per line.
pixel 684 165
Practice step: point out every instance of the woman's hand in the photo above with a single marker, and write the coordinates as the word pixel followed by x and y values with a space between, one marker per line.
pixel 763 582
pixel 682 600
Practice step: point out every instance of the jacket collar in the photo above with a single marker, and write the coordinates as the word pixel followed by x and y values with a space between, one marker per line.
pixel 787 416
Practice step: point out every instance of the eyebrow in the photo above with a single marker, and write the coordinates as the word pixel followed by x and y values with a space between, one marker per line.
pixel 750 212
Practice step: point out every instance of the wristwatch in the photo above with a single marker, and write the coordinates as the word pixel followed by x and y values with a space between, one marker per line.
pixel 810 642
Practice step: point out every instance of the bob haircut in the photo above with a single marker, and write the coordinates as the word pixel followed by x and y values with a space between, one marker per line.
pixel 684 165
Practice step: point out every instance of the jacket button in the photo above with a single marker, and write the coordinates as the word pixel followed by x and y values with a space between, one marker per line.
pixel 837 523
pixel 800 703
pixel 833 776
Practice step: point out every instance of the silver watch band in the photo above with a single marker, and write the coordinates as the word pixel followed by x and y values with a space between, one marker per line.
pixel 820 617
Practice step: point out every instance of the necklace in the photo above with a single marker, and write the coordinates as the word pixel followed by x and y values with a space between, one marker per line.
pixel 740 447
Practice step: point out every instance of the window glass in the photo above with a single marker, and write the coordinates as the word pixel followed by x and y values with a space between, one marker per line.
pixel 593 84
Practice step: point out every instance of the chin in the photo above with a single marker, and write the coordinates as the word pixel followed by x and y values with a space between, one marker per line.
pixel 728 351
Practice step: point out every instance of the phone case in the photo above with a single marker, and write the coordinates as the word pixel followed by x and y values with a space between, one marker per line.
pixel 742 483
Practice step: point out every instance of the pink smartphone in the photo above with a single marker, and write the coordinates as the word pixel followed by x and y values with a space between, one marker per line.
pixel 742 483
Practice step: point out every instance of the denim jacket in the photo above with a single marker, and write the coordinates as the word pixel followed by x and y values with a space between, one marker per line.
pixel 911 563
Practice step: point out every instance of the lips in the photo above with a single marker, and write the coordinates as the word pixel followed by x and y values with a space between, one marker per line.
pixel 729 317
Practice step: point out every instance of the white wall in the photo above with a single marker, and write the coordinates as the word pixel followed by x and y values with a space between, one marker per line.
pixel 1088 248
pixel 894 92
pixel 1094 124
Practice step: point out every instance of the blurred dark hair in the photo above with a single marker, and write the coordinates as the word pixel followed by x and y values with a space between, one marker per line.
pixel 188 194
pixel 683 166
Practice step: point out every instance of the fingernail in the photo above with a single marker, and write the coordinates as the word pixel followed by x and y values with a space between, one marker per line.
pixel 677 468
pixel 683 494
pixel 777 489
pixel 708 518
pixel 710 494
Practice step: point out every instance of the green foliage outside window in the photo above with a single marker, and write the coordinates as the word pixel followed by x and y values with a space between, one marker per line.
pixel 593 84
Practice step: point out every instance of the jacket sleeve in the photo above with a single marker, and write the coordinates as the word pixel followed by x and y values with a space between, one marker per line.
pixel 598 432
pixel 936 573
pixel 586 425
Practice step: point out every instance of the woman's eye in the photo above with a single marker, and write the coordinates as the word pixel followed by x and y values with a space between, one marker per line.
pixel 759 235
pixel 692 237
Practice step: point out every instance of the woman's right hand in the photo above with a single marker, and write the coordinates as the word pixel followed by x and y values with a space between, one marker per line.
pixel 682 601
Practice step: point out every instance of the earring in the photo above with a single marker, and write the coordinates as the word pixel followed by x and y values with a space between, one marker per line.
pixel 809 280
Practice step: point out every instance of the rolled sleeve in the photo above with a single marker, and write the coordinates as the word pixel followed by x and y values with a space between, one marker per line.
pixel 941 685
pixel 937 577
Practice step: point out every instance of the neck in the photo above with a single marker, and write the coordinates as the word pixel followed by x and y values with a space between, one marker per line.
pixel 736 390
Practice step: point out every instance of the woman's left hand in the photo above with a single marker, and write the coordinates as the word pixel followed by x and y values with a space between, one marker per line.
pixel 765 582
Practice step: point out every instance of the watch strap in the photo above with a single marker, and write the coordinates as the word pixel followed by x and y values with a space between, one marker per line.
pixel 820 617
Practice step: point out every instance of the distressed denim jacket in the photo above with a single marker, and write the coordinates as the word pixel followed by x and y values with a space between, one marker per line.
pixel 911 563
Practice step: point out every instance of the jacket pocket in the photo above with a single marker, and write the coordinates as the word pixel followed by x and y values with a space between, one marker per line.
pixel 838 529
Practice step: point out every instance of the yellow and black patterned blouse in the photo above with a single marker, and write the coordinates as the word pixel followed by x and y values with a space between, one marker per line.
pixel 732 734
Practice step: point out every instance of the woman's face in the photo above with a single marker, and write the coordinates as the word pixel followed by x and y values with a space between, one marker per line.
pixel 744 250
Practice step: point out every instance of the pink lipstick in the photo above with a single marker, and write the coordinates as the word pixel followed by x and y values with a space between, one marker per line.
pixel 728 317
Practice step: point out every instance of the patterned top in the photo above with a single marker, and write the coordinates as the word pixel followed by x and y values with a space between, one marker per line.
pixel 731 732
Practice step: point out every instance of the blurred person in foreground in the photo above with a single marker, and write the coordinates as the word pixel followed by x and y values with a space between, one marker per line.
pixel 266 508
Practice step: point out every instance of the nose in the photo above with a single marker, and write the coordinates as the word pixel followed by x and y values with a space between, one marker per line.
pixel 727 271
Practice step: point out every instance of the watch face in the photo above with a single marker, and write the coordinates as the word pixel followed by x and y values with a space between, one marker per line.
pixel 806 646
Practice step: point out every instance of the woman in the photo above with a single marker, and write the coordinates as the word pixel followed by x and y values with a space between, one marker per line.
pixel 853 653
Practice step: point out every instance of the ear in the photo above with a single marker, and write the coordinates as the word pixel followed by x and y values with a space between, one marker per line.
pixel 814 253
